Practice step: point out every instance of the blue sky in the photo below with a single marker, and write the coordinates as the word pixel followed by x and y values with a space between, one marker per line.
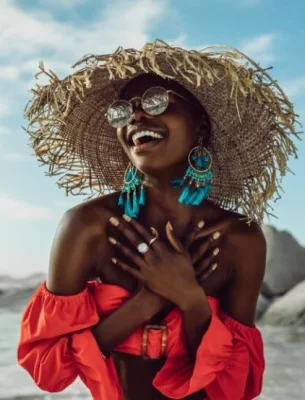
pixel 62 31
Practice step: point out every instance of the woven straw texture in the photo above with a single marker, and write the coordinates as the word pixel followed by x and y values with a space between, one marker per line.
pixel 253 122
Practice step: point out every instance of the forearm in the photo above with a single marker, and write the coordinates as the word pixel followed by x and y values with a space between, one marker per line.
pixel 125 320
pixel 196 317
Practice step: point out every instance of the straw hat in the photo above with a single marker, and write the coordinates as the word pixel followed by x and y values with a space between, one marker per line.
pixel 252 120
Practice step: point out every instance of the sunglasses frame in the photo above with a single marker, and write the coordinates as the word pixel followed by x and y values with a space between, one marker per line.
pixel 168 91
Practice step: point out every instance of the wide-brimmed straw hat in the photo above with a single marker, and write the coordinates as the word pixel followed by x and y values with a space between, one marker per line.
pixel 252 121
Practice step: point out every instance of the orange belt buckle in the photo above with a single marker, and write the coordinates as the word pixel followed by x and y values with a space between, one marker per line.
pixel 146 328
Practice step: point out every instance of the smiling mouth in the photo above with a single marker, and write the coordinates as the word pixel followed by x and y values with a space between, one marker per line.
pixel 145 136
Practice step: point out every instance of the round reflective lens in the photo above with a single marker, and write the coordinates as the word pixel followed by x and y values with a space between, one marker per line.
pixel 119 113
pixel 155 100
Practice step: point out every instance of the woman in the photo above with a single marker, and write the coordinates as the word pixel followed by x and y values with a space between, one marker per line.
pixel 152 289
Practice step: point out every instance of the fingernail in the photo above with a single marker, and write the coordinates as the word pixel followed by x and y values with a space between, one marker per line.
pixel 114 221
pixel 170 226
pixel 216 251
pixel 214 266
pixel 200 224
pixel 216 235
pixel 112 240
pixel 127 218
pixel 114 260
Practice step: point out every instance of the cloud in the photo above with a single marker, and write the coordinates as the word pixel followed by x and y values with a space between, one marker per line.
pixel 180 40
pixel 4 110
pixel 295 87
pixel 24 35
pixel 63 3
pixel 4 131
pixel 67 202
pixel 26 38
pixel 14 209
pixel 260 48
pixel 15 157
pixel 9 72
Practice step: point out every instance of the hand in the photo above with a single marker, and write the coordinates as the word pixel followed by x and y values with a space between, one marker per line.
pixel 164 271
pixel 201 243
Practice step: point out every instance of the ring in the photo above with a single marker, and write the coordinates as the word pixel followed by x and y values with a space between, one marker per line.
pixel 143 248
pixel 152 240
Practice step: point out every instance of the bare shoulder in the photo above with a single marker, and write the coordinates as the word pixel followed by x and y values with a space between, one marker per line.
pixel 246 253
pixel 245 243
pixel 87 221
pixel 246 235
pixel 79 237
pixel 235 228
pixel 91 215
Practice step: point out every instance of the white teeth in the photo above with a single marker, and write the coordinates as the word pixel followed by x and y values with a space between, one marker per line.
pixel 140 134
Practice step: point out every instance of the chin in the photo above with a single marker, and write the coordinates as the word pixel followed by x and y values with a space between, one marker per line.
pixel 152 166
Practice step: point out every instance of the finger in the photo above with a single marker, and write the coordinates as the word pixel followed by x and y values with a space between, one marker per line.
pixel 191 236
pixel 140 229
pixel 203 277
pixel 201 249
pixel 207 262
pixel 147 234
pixel 208 230
pixel 125 267
pixel 174 241
pixel 126 230
pixel 130 254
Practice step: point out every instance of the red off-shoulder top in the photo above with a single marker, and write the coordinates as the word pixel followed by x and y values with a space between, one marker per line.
pixel 56 346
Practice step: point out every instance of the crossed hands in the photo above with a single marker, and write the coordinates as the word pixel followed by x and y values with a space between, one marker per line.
pixel 172 268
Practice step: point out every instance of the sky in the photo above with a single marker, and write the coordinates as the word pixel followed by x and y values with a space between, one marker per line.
pixel 62 31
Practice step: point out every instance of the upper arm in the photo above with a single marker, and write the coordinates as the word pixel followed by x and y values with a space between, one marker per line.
pixel 247 247
pixel 73 252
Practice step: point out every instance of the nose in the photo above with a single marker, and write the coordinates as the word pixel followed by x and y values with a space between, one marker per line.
pixel 138 113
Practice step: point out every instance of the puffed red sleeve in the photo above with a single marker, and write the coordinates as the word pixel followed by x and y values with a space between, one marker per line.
pixel 57 345
pixel 229 363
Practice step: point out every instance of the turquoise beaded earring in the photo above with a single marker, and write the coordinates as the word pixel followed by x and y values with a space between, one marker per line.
pixel 197 182
pixel 132 193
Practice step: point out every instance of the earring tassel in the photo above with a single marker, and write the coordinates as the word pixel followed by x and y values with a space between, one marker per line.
pixel 128 208
pixel 135 205
pixel 121 200
pixel 184 195
pixel 142 196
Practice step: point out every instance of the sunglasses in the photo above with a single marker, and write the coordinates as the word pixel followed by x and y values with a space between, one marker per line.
pixel 153 102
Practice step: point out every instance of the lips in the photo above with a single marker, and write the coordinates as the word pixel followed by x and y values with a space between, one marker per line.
pixel 138 131
pixel 144 147
pixel 143 138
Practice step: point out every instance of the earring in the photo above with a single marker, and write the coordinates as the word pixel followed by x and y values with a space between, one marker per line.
pixel 129 189
pixel 197 182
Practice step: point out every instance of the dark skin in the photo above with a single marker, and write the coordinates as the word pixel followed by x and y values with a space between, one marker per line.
pixel 82 250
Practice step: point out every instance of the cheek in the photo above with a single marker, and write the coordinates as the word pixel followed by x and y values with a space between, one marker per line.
pixel 181 128
pixel 120 135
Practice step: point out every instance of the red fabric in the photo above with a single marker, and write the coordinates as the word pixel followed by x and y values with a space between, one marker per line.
pixel 57 345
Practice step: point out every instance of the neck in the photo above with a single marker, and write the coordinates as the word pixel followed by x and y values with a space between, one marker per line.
pixel 162 206
pixel 162 201
pixel 159 188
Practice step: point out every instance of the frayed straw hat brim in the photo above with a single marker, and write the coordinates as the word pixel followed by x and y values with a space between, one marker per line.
pixel 253 122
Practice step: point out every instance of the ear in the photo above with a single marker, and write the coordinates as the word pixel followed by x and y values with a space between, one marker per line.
pixel 203 129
